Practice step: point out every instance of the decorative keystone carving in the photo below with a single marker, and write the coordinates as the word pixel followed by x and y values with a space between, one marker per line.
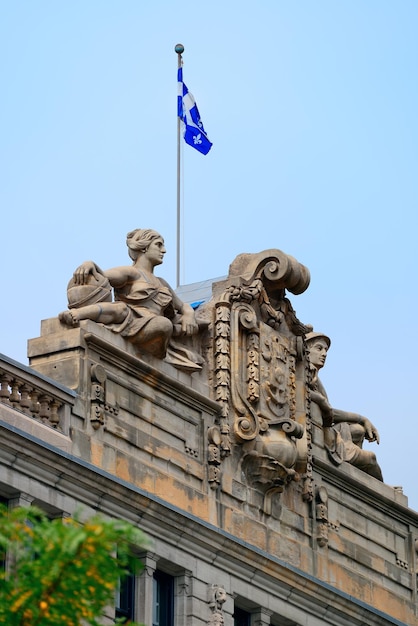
pixel 216 599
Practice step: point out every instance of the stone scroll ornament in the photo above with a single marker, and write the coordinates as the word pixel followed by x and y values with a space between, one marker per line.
pixel 259 370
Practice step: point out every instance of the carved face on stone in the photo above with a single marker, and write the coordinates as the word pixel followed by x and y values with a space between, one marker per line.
pixel 220 595
pixel 318 349
pixel 156 251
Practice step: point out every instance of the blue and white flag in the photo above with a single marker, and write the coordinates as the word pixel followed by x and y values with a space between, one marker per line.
pixel 193 131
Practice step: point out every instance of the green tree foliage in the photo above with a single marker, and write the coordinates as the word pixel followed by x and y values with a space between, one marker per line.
pixel 62 572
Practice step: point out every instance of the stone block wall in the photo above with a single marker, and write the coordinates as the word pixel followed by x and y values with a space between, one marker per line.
pixel 143 423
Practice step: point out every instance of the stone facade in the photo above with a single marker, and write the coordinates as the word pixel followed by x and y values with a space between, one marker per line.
pixel 226 468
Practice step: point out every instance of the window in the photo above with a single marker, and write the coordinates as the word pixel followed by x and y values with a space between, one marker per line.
pixel 125 599
pixel 241 617
pixel 163 599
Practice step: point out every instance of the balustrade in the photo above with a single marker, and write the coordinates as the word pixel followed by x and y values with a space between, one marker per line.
pixel 26 391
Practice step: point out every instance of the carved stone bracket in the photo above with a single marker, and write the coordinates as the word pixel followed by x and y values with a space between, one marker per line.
pixel 214 456
pixel 97 395
pixel 216 599
pixel 321 516
pixel 98 404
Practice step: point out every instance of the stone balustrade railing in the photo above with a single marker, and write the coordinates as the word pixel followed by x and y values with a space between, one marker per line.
pixel 38 397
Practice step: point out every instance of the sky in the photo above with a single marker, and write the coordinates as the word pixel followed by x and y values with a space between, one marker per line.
pixel 312 111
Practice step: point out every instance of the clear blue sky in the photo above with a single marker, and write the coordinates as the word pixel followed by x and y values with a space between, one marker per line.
pixel 312 111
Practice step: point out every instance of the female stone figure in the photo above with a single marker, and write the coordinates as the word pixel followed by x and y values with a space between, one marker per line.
pixel 145 309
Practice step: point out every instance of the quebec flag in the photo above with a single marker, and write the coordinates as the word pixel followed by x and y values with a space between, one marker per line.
pixel 193 131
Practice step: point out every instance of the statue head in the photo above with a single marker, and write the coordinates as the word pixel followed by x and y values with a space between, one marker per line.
pixel 139 239
pixel 318 345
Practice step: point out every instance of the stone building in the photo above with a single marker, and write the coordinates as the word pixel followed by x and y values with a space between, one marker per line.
pixel 220 446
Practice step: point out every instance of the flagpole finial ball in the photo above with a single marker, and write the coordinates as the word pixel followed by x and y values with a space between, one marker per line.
pixel 179 48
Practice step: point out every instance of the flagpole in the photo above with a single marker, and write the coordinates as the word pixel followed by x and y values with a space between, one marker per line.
pixel 179 49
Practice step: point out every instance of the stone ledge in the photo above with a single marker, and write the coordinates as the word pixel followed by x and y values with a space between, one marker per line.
pixel 59 340
pixel 34 428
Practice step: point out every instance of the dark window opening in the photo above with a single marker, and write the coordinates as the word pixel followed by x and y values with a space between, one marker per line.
pixel 163 599
pixel 125 599
pixel 241 617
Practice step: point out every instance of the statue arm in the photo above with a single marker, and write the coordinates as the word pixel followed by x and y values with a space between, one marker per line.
pixel 326 410
pixel 187 315
pixel 371 432
pixel 83 271
pixel 117 276
pixel 188 320
pixel 335 416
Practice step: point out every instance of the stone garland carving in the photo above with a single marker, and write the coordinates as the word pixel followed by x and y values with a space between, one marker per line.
pixel 308 481
pixel 218 436
pixel 222 371
pixel 257 341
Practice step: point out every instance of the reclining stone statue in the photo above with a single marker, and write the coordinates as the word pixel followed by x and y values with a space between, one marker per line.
pixel 344 432
pixel 145 310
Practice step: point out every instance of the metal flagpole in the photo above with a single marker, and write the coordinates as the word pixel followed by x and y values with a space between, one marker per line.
pixel 179 49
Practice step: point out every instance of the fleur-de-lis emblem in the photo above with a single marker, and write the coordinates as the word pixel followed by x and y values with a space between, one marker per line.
pixel 197 139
